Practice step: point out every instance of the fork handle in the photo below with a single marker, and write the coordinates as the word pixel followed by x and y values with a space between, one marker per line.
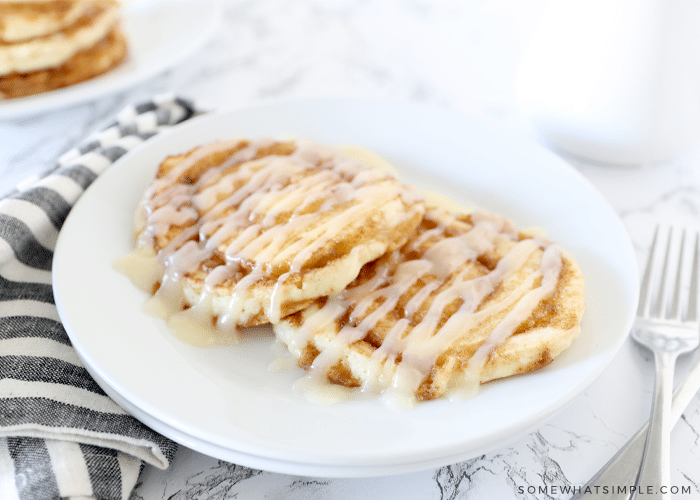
pixel 655 473
pixel 623 468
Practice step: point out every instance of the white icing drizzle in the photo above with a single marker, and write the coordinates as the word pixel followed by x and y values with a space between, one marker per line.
pixel 549 272
pixel 260 217
pixel 420 346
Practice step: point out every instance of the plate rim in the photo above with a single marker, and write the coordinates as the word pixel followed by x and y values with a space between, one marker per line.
pixel 195 123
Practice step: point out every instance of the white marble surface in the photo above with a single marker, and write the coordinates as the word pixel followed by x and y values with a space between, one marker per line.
pixel 457 54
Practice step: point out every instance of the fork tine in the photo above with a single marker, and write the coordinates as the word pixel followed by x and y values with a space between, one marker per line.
pixel 675 312
pixel 661 297
pixel 666 338
pixel 692 314
pixel 644 289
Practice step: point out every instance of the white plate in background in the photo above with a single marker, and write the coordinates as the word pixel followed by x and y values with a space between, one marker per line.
pixel 159 33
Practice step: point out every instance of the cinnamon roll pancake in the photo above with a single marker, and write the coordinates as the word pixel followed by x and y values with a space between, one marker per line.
pixel 49 45
pixel 23 19
pixel 244 232
pixel 467 299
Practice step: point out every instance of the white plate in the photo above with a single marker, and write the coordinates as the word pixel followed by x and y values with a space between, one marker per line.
pixel 226 403
pixel 160 33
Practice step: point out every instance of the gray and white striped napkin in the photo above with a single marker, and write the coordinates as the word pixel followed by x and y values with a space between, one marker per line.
pixel 61 436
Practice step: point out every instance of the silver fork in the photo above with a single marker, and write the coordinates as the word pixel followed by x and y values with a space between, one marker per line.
pixel 623 468
pixel 667 329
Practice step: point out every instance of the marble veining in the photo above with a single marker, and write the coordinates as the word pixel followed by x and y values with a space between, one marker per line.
pixel 459 55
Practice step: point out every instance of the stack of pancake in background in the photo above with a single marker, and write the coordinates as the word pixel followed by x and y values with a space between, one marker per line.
pixel 50 44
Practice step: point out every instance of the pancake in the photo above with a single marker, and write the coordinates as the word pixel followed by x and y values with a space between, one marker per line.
pixel 25 20
pixel 242 233
pixel 90 46
pixel 86 64
pixel 468 299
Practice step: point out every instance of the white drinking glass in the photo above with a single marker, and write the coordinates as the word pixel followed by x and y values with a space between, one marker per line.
pixel 614 81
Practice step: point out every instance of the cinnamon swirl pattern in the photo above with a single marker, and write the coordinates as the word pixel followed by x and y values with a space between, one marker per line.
pixel 468 299
pixel 245 232
pixel 368 285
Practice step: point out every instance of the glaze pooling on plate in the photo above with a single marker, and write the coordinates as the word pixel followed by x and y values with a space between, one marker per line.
pixel 245 232
pixel 226 403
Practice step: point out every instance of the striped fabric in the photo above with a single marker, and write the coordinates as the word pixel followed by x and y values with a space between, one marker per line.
pixel 60 435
